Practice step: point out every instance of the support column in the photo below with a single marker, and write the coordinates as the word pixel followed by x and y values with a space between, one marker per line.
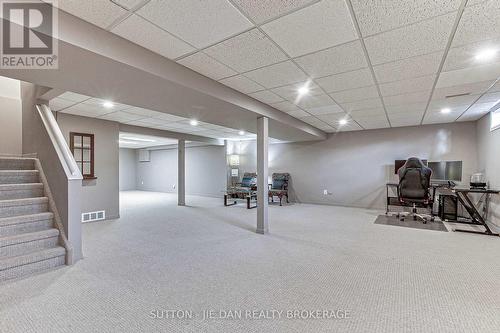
pixel 181 173
pixel 262 175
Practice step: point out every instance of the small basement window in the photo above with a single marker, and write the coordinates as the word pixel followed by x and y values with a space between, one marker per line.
pixel 495 120
pixel 82 147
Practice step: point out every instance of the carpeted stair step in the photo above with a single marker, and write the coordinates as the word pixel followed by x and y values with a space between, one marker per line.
pixel 31 263
pixel 26 223
pixel 13 163
pixel 19 176
pixel 28 242
pixel 21 191
pixel 17 207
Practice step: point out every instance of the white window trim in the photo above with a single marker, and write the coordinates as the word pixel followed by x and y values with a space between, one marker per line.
pixel 495 120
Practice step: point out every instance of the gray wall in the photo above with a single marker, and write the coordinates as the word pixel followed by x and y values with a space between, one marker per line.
pixel 128 167
pixel 10 117
pixel 488 154
pixel 354 166
pixel 205 171
pixel 103 192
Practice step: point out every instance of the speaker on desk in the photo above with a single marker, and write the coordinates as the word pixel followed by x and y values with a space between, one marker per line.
pixel 448 207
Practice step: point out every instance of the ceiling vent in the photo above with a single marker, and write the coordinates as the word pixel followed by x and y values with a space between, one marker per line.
pixel 458 95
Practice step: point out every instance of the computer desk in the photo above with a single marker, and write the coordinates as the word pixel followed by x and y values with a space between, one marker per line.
pixel 463 196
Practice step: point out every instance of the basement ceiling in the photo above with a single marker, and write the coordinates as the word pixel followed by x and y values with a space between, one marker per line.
pixel 86 106
pixel 375 64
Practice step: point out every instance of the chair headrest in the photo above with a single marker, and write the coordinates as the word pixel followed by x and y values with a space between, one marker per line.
pixel 414 162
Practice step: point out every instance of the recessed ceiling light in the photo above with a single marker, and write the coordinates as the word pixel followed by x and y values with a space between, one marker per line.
pixel 304 90
pixel 193 122
pixel 486 55
pixel 241 132
pixel 108 104
pixel 445 110
pixel 137 139
pixel 343 122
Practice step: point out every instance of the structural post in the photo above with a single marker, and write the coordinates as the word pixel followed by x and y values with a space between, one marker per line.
pixel 262 175
pixel 181 173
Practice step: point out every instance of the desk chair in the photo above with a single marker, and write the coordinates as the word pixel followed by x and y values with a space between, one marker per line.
pixel 414 188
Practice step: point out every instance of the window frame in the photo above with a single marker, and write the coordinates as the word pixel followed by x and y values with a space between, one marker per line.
pixel 91 149
pixel 493 114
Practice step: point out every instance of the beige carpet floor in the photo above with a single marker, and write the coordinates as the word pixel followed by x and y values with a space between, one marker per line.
pixel 158 256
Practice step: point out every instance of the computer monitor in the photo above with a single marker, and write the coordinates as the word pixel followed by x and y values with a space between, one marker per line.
pixel 446 170
pixel 399 163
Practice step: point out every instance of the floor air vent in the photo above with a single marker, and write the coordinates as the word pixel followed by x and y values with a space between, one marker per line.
pixel 93 216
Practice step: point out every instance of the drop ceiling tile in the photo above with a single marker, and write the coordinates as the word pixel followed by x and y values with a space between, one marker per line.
pixel 242 83
pixel 377 16
pixel 200 23
pixel 309 102
pixel 413 40
pixel 70 96
pixel 299 114
pixel 404 122
pixel 142 112
pixel 338 59
pixel 334 118
pixel 127 3
pixel 408 68
pixel 203 64
pixel 469 75
pixel 58 104
pixel 313 27
pixel 453 111
pixel 349 80
pixel 121 116
pixel 411 116
pixel 313 121
pixel 478 23
pixel 149 36
pixel 99 104
pixel 465 56
pixel 439 119
pixel 167 117
pixel 98 12
pixel 285 106
pixel 369 114
pixel 462 102
pixel 477 111
pixel 353 95
pixel 247 51
pixel 364 104
pixel 85 110
pixel 379 112
pixel 407 86
pixel 374 125
pixel 490 97
pixel 463 89
pixel 277 75
pixel 290 92
pixel 139 123
pixel 264 10
pixel 413 108
pixel 328 109
pixel 416 97
pixel 349 127
pixel 266 96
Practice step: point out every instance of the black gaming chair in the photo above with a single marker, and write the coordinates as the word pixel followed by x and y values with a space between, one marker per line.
pixel 414 188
